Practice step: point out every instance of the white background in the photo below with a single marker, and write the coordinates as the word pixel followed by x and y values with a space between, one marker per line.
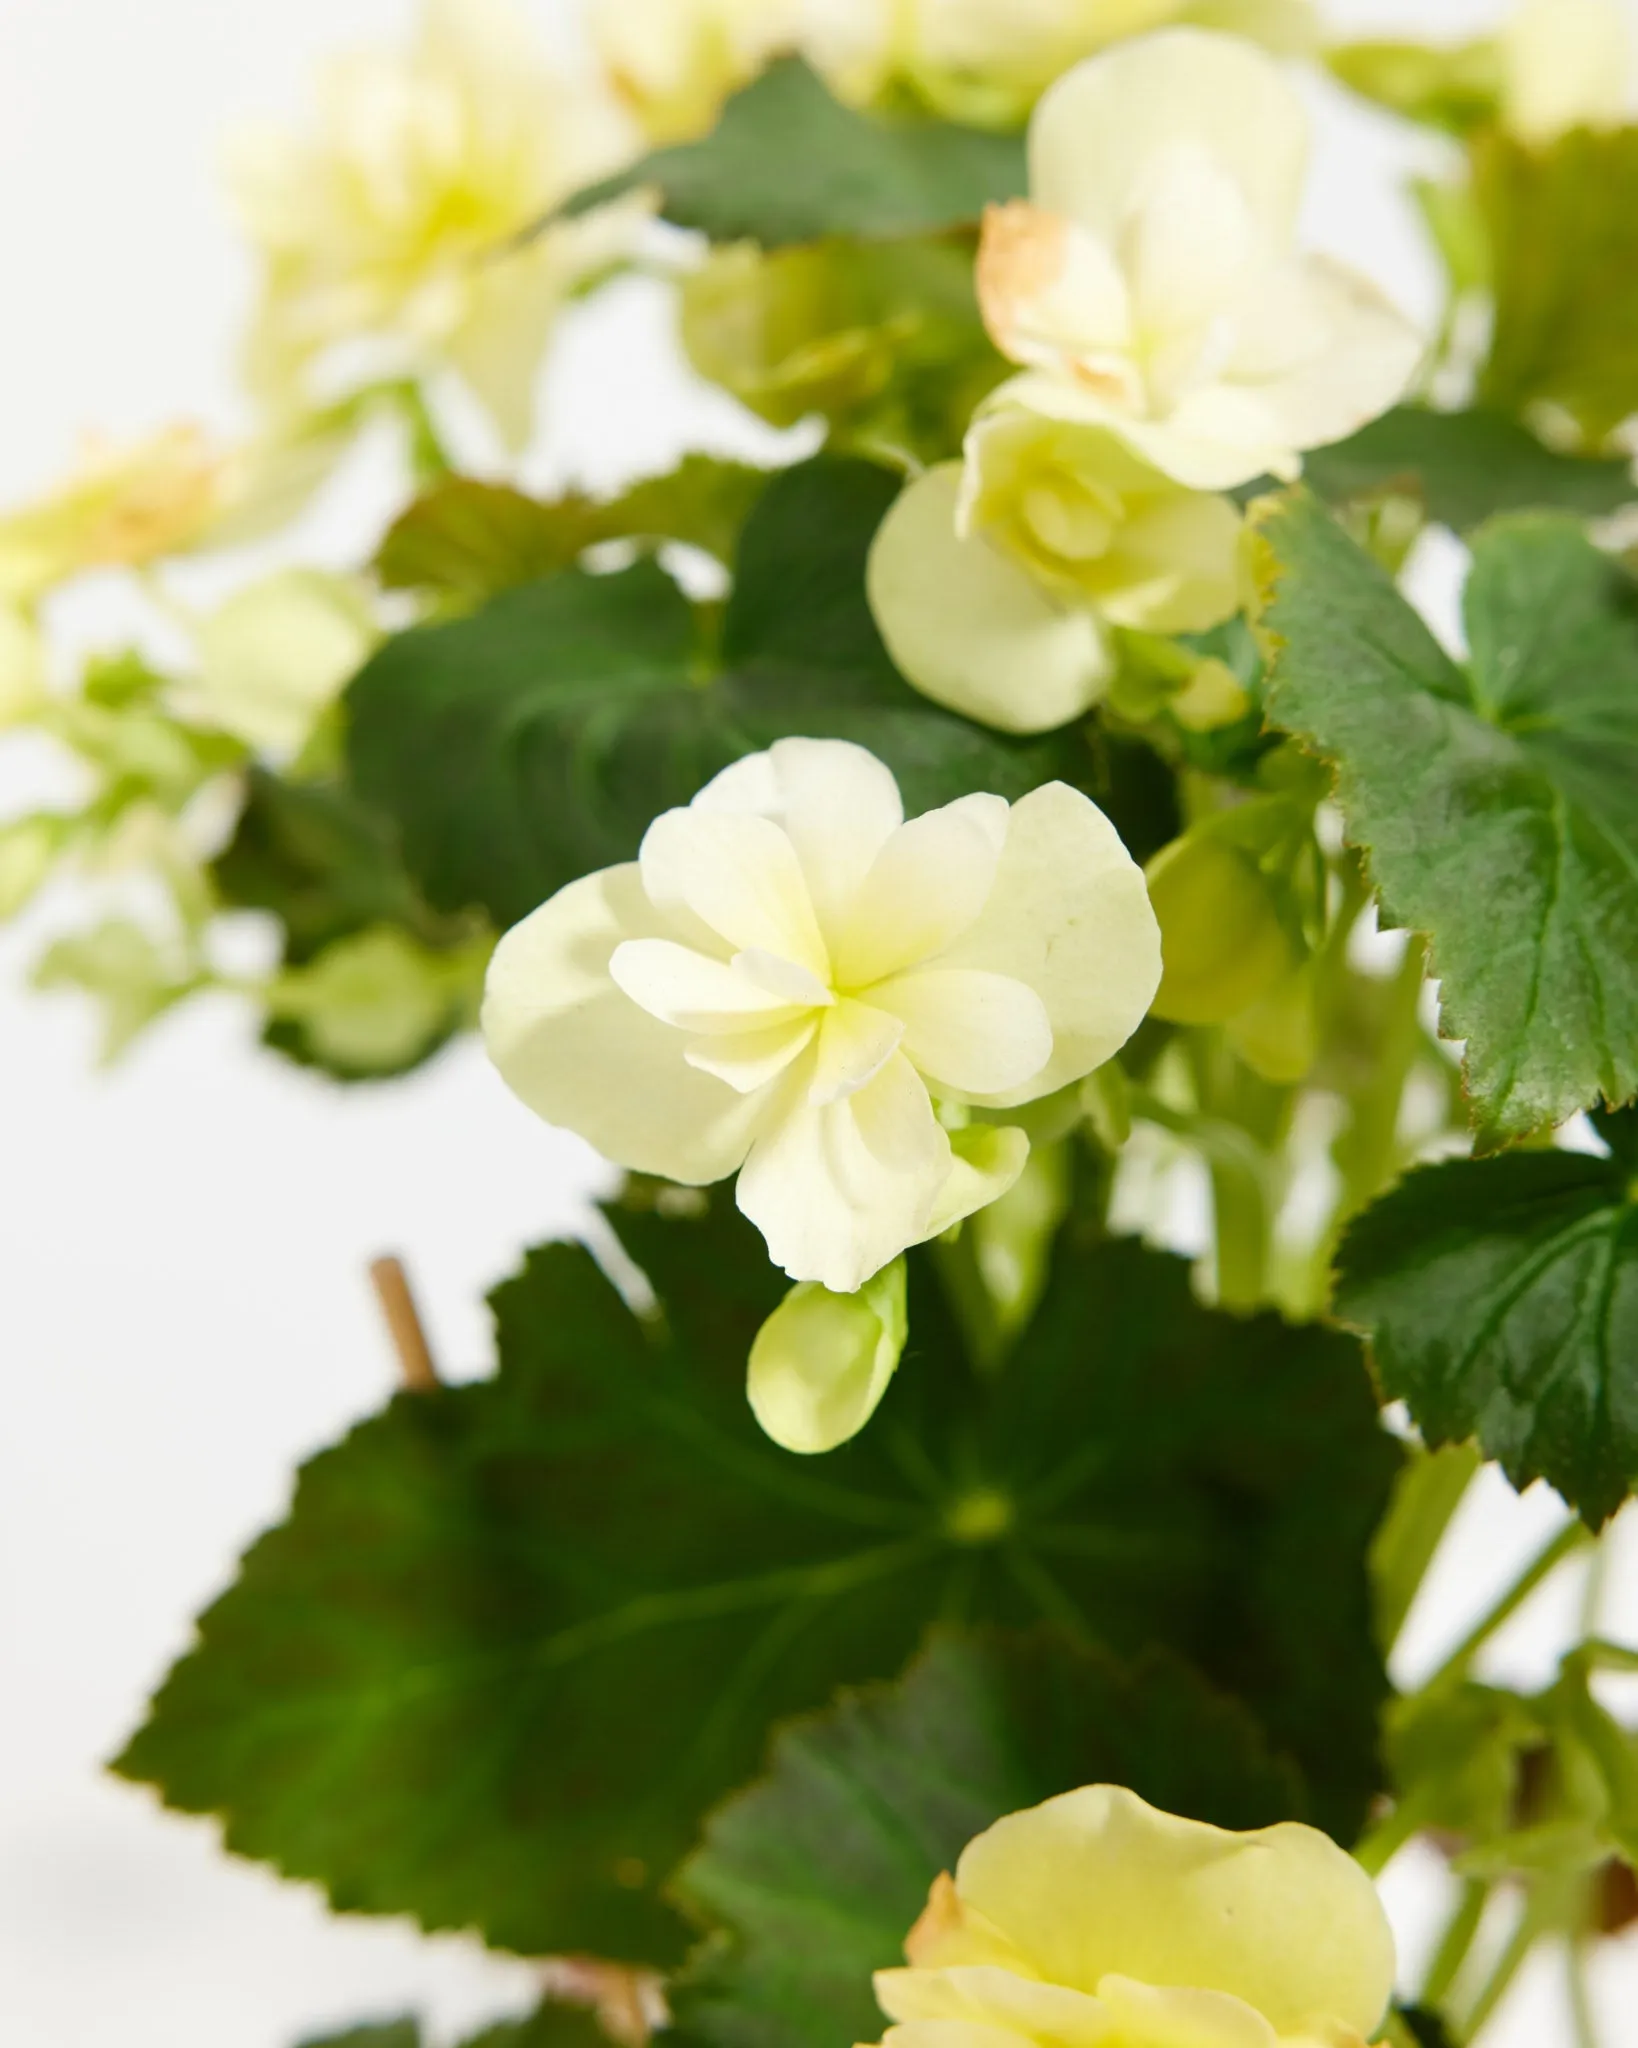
pixel 183 1310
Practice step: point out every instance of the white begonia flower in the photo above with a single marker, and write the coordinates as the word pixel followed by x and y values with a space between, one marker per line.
pixel 674 62
pixel 397 239
pixel 1151 283
pixel 1565 64
pixel 989 61
pixel 992 581
pixel 790 974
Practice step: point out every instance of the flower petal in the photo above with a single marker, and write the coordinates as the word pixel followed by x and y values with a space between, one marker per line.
pixel 1097 1884
pixel 1358 356
pixel 1216 439
pixel 970 1032
pixel 583 1055
pixel 985 1161
pixel 840 1190
pixel 1175 565
pixel 1179 2017
pixel 1069 916
pixel 855 1042
pixel 970 628
pixel 739 876
pixel 996 1997
pixel 749 1060
pixel 691 993
pixel 1051 294
pixel 925 888
pixel 1099 130
pixel 836 802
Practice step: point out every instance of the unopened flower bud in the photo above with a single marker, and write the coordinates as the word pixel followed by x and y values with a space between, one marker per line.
pixel 822 1361
pixel 1223 941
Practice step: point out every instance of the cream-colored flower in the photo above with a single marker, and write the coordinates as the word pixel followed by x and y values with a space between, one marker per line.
pixel 674 62
pixel 989 61
pixel 396 239
pixel 790 974
pixel 1565 64
pixel 123 508
pixel 1096 1921
pixel 822 1362
pixel 992 580
pixel 1152 283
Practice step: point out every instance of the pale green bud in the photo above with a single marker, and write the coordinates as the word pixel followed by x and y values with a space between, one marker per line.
pixel 274 657
pixel 28 849
pixel 377 1002
pixel 1223 941
pixel 822 1362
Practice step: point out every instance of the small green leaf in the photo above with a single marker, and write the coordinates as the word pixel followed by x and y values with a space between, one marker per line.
pixel 789 163
pixel 1457 87
pixel 1563 230
pixel 1501 1299
pixel 1496 803
pixel 536 741
pixel 466 541
pixel 518 1636
pixel 813 1877
pixel 1466 467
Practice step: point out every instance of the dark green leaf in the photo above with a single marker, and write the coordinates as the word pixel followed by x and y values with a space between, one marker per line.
pixel 1502 1302
pixel 789 163
pixel 384 2034
pixel 1563 230
pixel 468 541
pixel 536 740
pixel 1424 2027
pixel 517 1637
pixel 1498 805
pixel 1465 467
pixel 816 1874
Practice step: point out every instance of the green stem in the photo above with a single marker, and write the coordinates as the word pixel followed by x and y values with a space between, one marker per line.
pixel 1456 1943
pixel 1533 1921
pixel 1572 1537
pixel 1244 1231
pixel 429 458
pixel 1582 2016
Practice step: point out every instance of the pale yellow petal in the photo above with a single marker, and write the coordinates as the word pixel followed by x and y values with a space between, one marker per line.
pixel 1174 566
pixel 839 1191
pixel 973 630
pixel 1069 916
pixel 1565 64
pixel 837 804
pixel 856 1041
pixel 925 887
pixel 954 2034
pixel 1098 1884
pixel 749 1060
pixel 986 1161
pixel 1180 2017
pixel 582 1054
pixel 1101 128
pixel 971 1033
pixel 739 876
pixel 996 1997
pixel 693 993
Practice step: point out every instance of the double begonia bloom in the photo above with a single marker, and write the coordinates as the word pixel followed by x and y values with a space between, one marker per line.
pixel 1096 1921
pixel 789 977
pixel 398 238
pixel 674 62
pixel 994 581
pixel 1152 281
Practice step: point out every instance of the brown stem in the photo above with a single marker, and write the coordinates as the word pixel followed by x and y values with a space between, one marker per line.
pixel 409 1338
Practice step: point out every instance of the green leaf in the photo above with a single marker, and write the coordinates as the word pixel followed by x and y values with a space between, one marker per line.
pixel 1501 1299
pixel 466 541
pixel 373 981
pixel 815 1875
pixel 1466 467
pixel 517 1637
pixel 1563 230
pixel 1455 87
pixel 383 2034
pixel 789 163
pixel 1496 803
pixel 536 741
